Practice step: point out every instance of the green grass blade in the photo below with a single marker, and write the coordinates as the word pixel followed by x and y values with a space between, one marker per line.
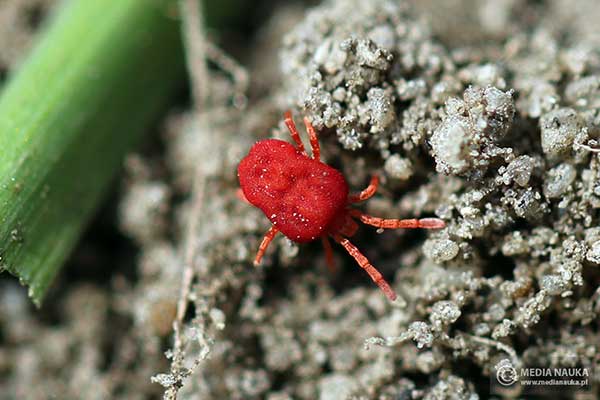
pixel 91 87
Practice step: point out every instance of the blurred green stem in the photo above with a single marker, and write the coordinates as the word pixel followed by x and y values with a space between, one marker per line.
pixel 96 80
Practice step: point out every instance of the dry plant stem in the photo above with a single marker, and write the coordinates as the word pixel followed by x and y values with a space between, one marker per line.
pixel 226 63
pixel 196 47
pixel 588 148
pixel 193 34
pixel 498 345
pixel 199 50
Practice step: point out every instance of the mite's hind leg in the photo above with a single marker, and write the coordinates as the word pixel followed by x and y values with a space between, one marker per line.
pixel 424 223
pixel 366 265
pixel 328 254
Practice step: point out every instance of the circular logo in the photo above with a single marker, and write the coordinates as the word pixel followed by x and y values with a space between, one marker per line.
pixel 506 375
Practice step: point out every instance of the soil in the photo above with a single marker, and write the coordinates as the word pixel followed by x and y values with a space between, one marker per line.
pixel 484 114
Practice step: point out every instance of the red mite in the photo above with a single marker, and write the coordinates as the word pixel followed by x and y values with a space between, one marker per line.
pixel 306 199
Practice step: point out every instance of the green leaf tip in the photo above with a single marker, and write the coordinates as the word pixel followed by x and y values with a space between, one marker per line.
pixel 99 76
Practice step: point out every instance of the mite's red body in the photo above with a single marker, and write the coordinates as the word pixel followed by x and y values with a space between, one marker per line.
pixel 300 196
pixel 306 199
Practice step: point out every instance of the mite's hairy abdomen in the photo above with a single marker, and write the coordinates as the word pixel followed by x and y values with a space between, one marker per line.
pixel 299 195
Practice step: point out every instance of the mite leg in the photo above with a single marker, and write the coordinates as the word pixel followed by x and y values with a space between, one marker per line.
pixel 239 193
pixel 425 223
pixel 349 228
pixel 367 193
pixel 314 141
pixel 366 265
pixel 287 117
pixel 328 254
pixel 264 244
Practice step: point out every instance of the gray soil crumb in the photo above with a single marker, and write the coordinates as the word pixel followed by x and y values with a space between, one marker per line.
pixel 485 114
